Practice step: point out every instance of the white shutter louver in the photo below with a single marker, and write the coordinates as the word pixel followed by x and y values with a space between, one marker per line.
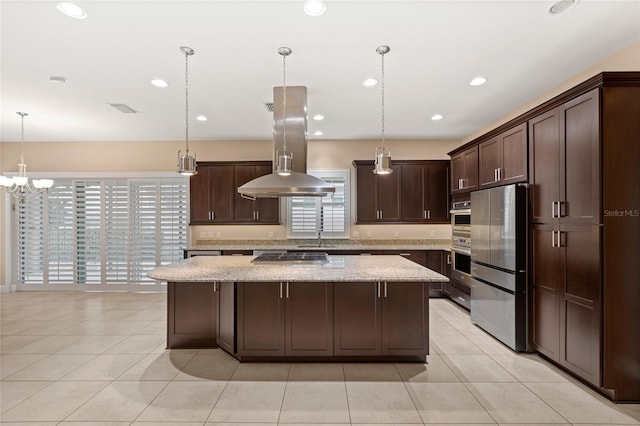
pixel 30 241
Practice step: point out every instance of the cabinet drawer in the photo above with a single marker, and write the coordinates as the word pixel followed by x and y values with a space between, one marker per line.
pixel 459 296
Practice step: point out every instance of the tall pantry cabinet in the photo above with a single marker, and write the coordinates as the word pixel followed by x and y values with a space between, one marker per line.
pixel 584 171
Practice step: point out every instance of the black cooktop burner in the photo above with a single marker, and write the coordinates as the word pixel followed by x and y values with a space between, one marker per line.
pixel 312 257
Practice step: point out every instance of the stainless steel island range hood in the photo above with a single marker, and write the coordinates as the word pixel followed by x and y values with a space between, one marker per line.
pixel 298 183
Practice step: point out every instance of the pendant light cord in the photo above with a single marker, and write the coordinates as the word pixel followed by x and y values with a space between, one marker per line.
pixel 22 114
pixel 382 87
pixel 284 103
pixel 186 99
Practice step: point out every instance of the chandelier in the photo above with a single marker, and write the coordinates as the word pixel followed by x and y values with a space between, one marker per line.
pixel 19 186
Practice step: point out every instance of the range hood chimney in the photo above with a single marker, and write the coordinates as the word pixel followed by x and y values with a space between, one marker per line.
pixel 298 183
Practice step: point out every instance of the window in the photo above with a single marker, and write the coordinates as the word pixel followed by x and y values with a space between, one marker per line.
pixel 100 234
pixel 329 215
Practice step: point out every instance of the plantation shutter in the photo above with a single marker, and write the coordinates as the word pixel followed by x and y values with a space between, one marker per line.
pixel 30 241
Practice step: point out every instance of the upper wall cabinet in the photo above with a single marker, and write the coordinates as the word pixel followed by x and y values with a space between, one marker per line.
pixel 416 192
pixel 214 198
pixel 464 171
pixel 503 159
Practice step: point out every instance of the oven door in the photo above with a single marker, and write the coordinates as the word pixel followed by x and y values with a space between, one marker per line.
pixel 461 265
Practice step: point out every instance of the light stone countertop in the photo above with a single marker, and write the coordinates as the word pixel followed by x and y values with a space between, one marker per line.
pixel 327 244
pixel 339 268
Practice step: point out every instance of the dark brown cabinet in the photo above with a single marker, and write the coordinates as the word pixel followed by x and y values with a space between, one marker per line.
pixel 384 318
pixel 565 206
pixel 261 210
pixel 285 319
pixel 377 196
pixel 464 170
pixel 226 327
pixel 196 326
pixel 503 158
pixel 416 192
pixel 436 260
pixel 424 192
pixel 214 198
pixel 212 194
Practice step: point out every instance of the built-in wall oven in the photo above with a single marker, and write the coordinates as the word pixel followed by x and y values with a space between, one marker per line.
pixel 461 253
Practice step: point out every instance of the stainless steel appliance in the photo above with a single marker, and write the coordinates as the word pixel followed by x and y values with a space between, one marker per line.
pixel 498 263
pixel 313 257
pixel 461 253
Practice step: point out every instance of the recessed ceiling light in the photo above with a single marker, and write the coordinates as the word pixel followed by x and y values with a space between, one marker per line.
pixel 57 79
pixel 201 118
pixel 159 83
pixel 318 133
pixel 370 82
pixel 318 117
pixel 478 81
pixel 71 9
pixel 562 6
pixel 436 117
pixel 315 7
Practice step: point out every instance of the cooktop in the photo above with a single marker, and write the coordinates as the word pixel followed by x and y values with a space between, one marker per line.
pixel 312 257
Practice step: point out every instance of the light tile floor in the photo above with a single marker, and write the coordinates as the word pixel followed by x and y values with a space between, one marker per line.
pixel 91 359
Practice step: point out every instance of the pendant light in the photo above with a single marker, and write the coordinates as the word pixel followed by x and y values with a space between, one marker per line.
pixel 186 161
pixel 382 155
pixel 18 186
pixel 284 165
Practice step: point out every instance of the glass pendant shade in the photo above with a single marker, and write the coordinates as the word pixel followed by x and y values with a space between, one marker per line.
pixel 382 161
pixel 186 163
pixel 284 166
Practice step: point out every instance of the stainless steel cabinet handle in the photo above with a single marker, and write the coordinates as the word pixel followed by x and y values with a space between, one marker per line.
pixel 380 214
pixel 209 215
pixel 559 239
pixel 385 289
pixel 213 215
pixel 553 209
pixel 553 238
pixel 257 214
pixel 424 214
pixel 280 290
pixel 462 299
pixel 405 254
pixel 559 208
pixel 448 259
pixel 378 288
pixel 287 290
pixel 499 173
pixel 428 214
pixel 495 175
pixel 460 183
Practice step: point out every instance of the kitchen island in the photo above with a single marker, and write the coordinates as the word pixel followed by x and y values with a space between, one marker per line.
pixel 349 308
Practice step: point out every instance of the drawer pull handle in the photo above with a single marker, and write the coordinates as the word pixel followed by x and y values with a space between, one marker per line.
pixel 462 299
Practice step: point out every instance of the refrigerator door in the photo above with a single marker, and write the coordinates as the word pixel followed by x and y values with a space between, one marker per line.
pixel 503 227
pixel 495 311
pixel 480 220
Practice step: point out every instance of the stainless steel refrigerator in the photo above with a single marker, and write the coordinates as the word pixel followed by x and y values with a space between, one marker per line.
pixel 498 263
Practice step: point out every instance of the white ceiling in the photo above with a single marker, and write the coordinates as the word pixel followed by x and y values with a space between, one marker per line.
pixel 436 48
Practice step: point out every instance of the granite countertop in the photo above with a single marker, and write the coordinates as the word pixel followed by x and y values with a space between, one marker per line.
pixel 339 268
pixel 328 244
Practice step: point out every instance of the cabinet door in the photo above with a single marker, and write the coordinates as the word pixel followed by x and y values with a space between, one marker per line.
pixel 413 193
pixel 580 176
pixel 544 173
pixel 435 262
pixel 470 182
pixel 366 194
pixel 192 313
pixel 436 189
pixel 309 319
pixel 226 336
pixel 405 321
pixel 447 271
pixel 547 275
pixel 357 327
pixel 490 160
pixel 514 155
pixel 267 209
pixel 222 193
pixel 260 319
pixel 457 172
pixel 200 196
pixel 244 208
pixel 580 313
pixel 388 195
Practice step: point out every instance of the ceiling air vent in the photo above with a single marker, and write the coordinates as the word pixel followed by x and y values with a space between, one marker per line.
pixel 269 106
pixel 125 109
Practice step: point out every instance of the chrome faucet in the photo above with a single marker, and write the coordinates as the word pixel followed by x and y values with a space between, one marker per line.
pixel 319 240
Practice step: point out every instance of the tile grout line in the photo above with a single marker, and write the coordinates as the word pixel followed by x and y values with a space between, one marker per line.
pixel 346 392
pixel 284 393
